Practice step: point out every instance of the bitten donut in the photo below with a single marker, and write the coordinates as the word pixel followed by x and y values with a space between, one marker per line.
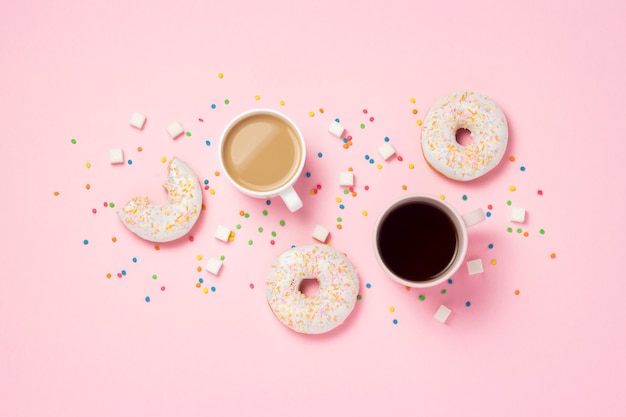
pixel 173 219
pixel 489 131
pixel 330 306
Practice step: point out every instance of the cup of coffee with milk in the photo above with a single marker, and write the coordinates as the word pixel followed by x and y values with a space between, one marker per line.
pixel 262 153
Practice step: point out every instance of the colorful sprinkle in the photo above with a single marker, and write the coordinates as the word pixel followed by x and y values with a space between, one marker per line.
pixel 147 299
pixel 467 304
pixel 421 297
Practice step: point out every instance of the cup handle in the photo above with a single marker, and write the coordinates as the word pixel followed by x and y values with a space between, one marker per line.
pixel 473 217
pixel 292 199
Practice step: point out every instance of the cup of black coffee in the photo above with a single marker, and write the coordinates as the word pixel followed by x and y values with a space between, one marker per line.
pixel 421 241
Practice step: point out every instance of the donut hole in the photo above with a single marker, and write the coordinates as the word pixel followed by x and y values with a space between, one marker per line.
pixel 463 136
pixel 309 287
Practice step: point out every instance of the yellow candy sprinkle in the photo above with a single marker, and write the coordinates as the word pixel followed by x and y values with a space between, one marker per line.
pixel 212 190
pixel 512 188
pixel 412 100
pixel 411 166
pixel 257 97
pixel 206 290
pixel 441 196
pixel 282 102
pixel 379 166
pixel 493 262
pixel 365 212
pixel 338 200
pixel 163 159
pixel 311 114
pixel 419 122
pixel 392 309
pixel 199 257
pixel 220 75
pixel 88 164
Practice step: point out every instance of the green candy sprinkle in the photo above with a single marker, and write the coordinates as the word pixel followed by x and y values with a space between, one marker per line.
pixel 282 222
pixel 421 297
pixel 541 231
pixel 273 233
pixel 260 230
pixel 508 229
pixel 238 226
pixel 188 133
pixel 265 212
pixel 73 141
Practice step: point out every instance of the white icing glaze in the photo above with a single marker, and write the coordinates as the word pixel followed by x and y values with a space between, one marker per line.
pixel 472 111
pixel 173 219
pixel 323 311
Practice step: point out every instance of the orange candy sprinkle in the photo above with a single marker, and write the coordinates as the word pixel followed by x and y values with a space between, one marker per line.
pixel 56 193
pixel 113 239
pixel 157 247
pixel 516 292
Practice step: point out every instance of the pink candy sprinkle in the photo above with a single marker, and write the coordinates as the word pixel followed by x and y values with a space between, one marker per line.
pixel 400 158
pixel 540 192
pixel 162 288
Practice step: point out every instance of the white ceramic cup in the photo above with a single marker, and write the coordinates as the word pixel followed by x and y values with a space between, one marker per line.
pixel 460 224
pixel 286 191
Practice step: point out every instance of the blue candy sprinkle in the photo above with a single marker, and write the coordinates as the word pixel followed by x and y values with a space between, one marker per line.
pixel 522 168
pixel 386 139
pixel 208 143
pixel 123 272
pixel 341 206
pixel 213 289
pixel 395 321
pixel 450 281
pixel 130 162
pixel 464 197
pixel 345 140
pixel 308 174
pixel 490 246
pixel 337 120
pixel 206 182
pixel 467 304
pixel 368 285
pixel 371 161
pixel 212 106
pixel 488 214
pixel 367 157
pixel 85 242
pixel 147 299
pixel 319 154
pixel 135 260
pixel 200 280
pixel 268 202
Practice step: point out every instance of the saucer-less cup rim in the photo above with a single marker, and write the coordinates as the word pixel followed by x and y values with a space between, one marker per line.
pixel 285 191
pixel 460 223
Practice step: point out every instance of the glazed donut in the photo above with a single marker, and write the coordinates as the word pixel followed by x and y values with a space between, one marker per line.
pixel 330 306
pixel 489 131
pixel 173 219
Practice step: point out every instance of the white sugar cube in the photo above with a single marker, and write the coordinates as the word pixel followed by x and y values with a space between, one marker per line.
pixel 518 214
pixel 475 266
pixel 137 120
pixel 336 128
pixel 386 150
pixel 320 233
pixel 213 266
pixel 222 233
pixel 346 179
pixel 442 313
pixel 116 156
pixel 174 129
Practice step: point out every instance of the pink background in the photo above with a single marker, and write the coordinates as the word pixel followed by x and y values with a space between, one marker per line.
pixel 74 343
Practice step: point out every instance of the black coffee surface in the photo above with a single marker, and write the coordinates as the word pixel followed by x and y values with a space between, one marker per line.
pixel 417 241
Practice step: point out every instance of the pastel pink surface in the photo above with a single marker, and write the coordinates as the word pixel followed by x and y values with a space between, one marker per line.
pixel 75 343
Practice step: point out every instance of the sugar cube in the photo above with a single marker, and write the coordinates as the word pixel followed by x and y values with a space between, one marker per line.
pixel 442 313
pixel 518 214
pixel 346 179
pixel 386 150
pixel 320 233
pixel 475 266
pixel 213 266
pixel 116 156
pixel 174 129
pixel 336 128
pixel 222 233
pixel 137 120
